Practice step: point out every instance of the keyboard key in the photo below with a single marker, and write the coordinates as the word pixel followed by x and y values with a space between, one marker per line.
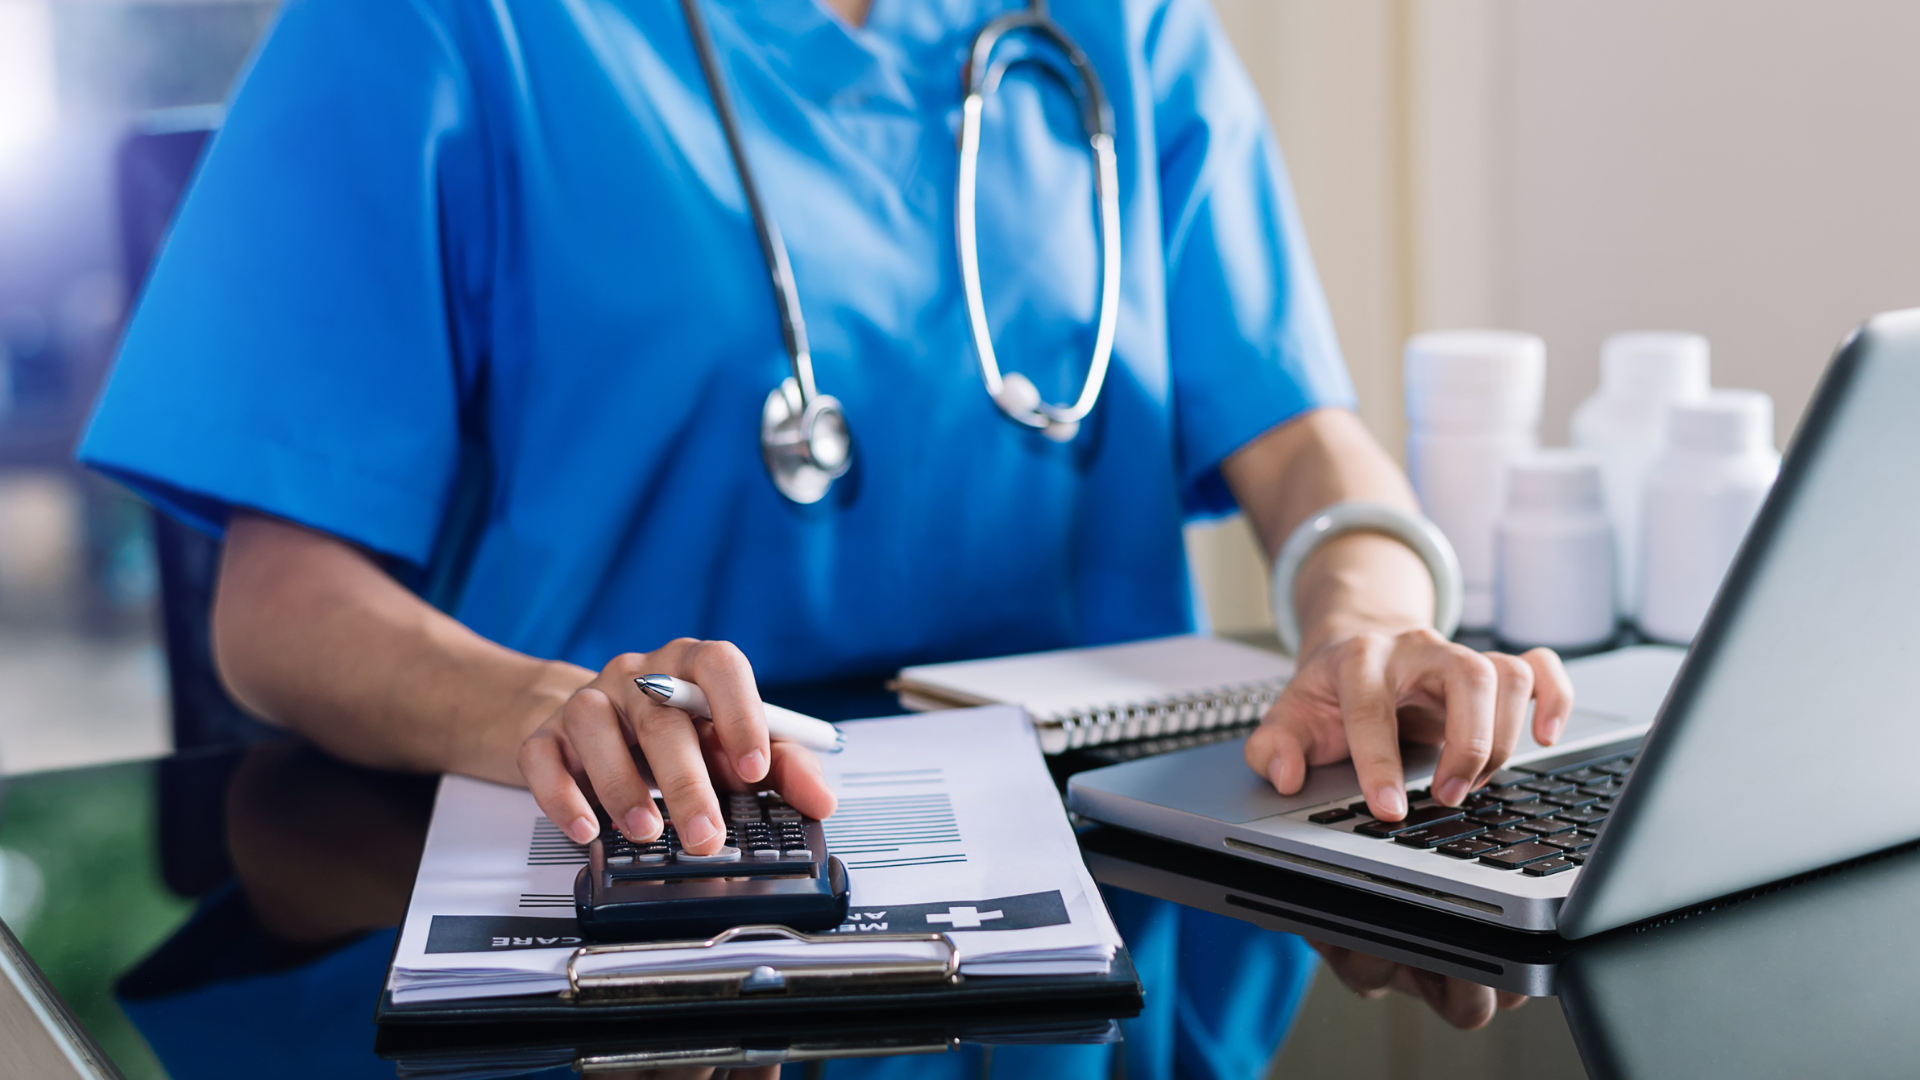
pixel 1510 858
pixel 1328 817
pixel 1503 777
pixel 1569 841
pixel 1547 866
pixel 1548 785
pixel 1577 860
pixel 1571 800
pixel 1416 796
pixel 1507 837
pixel 1599 792
pixel 1479 800
pixel 1583 817
pixel 1507 794
pixel 1531 809
pixel 1435 835
pixel 1360 808
pixel 1417 818
pixel 1616 767
pixel 1467 849
pixel 1498 818
pixel 1586 776
pixel 1545 826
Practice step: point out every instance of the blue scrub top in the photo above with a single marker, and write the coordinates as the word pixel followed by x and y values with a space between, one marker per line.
pixel 474 286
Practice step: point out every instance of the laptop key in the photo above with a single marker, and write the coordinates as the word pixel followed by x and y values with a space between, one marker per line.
pixel 1507 794
pixel 1547 866
pixel 1435 835
pixel 1328 817
pixel 1598 791
pixel 1545 826
pixel 1548 785
pixel 1360 807
pixel 1417 818
pixel 1531 809
pixel 1571 800
pixel 1507 837
pixel 1586 776
pixel 1592 816
pixel 1467 849
pixel 1569 841
pixel 1498 818
pixel 1515 857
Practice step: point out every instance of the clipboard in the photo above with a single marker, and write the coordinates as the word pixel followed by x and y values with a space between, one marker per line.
pixel 816 992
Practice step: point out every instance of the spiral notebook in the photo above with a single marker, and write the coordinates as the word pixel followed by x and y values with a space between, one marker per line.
pixel 1140 690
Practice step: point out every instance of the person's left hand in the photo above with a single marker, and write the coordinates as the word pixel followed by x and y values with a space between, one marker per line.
pixel 1358 697
pixel 1464 1005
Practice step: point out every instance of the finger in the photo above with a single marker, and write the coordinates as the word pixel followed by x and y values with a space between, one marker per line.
pixel 671 746
pixel 796 774
pixel 1507 999
pixel 721 670
pixel 1372 730
pixel 1552 695
pixel 594 730
pixel 1279 753
pixel 543 765
pixel 1469 683
pixel 1461 1004
pixel 1510 701
pixel 1363 974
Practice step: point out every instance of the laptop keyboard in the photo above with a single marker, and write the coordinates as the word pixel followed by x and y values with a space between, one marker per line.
pixel 1539 819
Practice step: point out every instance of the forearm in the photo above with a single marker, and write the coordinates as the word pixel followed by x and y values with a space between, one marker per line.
pixel 310 634
pixel 1356 583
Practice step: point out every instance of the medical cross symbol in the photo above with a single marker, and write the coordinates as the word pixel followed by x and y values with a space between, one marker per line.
pixel 963 918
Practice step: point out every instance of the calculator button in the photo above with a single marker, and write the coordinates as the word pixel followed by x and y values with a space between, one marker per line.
pixel 766 853
pixel 650 857
pixel 725 854
pixel 797 853
pixel 619 860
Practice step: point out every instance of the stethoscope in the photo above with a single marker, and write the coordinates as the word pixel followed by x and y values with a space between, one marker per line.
pixel 804 437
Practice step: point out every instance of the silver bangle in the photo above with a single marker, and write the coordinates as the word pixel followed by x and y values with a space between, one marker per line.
pixel 1423 536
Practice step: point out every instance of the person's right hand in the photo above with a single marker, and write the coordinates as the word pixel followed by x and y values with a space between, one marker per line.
pixel 610 735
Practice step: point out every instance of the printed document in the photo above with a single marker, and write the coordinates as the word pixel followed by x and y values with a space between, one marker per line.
pixel 948 822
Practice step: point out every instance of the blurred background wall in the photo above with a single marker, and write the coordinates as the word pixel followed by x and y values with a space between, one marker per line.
pixel 1747 169
pixel 1744 168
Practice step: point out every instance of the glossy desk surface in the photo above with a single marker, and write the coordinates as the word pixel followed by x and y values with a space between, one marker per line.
pixel 268 880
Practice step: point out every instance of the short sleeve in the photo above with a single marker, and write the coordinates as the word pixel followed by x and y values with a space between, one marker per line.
pixel 1251 340
pixel 295 347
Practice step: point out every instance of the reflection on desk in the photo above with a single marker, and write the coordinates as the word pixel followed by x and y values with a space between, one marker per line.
pixel 1815 977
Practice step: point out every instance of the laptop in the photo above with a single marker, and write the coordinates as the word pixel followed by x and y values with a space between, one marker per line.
pixel 1786 741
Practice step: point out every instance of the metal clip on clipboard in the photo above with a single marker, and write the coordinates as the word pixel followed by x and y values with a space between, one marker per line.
pixel 746 980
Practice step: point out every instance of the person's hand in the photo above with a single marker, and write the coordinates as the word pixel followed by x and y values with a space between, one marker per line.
pixel 1463 1004
pixel 593 741
pixel 1360 696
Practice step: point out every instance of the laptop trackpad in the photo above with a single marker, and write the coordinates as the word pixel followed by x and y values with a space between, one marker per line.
pixel 1214 781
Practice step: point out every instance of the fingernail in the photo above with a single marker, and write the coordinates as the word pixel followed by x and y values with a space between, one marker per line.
pixel 698 830
pixel 581 830
pixel 753 765
pixel 1554 729
pixel 638 824
pixel 1273 775
pixel 1450 791
pixel 1390 802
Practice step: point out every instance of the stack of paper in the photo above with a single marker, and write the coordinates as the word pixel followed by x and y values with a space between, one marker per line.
pixel 948 822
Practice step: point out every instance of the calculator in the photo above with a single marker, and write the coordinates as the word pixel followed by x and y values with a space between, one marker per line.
pixel 772 868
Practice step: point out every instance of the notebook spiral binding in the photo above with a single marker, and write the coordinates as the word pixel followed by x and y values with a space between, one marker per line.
pixel 1230 705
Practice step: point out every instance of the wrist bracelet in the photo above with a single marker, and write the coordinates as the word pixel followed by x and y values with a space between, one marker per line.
pixel 1423 536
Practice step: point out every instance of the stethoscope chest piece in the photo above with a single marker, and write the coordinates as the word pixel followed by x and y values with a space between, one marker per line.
pixel 806 444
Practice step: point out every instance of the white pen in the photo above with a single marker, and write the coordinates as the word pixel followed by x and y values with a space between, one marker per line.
pixel 783 724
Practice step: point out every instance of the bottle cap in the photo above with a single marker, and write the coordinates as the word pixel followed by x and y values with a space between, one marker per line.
pixel 1565 480
pixel 1724 422
pixel 1663 365
pixel 1475 379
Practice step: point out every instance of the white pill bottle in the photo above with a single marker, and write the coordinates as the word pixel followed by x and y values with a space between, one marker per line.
pixel 1553 555
pixel 1473 408
pixel 1701 496
pixel 1624 425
